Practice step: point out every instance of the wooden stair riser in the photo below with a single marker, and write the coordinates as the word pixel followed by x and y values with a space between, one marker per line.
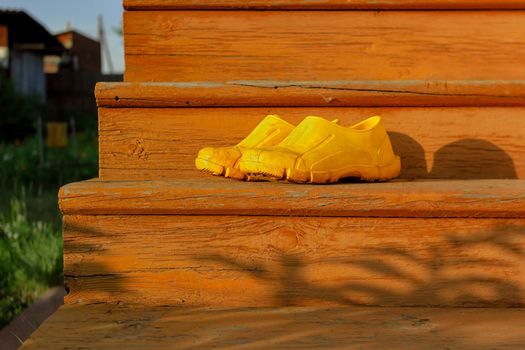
pixel 282 261
pixel 323 45
pixel 436 142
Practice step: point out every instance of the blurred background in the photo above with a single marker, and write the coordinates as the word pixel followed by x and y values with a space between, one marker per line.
pixel 52 52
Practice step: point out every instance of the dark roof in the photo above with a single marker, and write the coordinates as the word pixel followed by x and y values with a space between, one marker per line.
pixel 26 33
pixel 77 32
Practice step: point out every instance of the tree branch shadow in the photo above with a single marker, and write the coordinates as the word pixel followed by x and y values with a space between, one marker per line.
pixel 461 271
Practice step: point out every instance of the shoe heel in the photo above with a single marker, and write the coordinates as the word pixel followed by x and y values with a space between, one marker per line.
pixel 390 171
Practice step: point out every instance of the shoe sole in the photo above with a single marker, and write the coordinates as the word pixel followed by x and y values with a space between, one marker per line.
pixel 363 173
pixel 219 170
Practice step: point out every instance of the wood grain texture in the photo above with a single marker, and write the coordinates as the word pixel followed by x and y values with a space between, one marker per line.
pixel 216 196
pixel 444 143
pixel 189 46
pixel 322 4
pixel 312 94
pixel 110 327
pixel 283 261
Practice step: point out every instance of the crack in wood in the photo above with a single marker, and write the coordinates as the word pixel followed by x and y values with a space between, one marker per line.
pixel 320 87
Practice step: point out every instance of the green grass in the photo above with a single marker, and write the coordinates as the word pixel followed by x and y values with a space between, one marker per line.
pixel 20 164
pixel 30 223
pixel 30 259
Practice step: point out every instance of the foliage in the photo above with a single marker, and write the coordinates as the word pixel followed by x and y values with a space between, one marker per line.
pixel 30 259
pixel 30 239
pixel 20 163
pixel 19 112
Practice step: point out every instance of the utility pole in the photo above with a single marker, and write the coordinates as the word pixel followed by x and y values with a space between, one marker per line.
pixel 104 44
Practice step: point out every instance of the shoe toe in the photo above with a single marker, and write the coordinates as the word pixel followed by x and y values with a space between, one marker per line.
pixel 219 161
pixel 206 153
pixel 272 163
pixel 225 156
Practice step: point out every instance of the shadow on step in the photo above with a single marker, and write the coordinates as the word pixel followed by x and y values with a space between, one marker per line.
pixel 483 269
pixel 462 159
pixel 84 262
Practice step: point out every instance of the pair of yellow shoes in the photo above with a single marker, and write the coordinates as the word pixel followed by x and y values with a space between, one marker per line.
pixel 315 151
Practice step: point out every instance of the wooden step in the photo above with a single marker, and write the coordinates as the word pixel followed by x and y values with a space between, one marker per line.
pixel 123 327
pixel 319 45
pixel 150 5
pixel 218 196
pixel 441 129
pixel 158 255
pixel 340 93
pixel 216 242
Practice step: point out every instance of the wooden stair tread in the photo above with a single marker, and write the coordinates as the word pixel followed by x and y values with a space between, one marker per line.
pixel 250 93
pixel 218 196
pixel 121 327
pixel 321 4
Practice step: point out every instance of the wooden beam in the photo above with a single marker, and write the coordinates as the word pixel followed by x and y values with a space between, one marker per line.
pixel 416 93
pixel 323 4
pixel 216 196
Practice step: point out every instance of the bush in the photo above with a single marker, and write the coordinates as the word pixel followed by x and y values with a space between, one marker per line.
pixel 20 163
pixel 19 112
pixel 30 259
pixel 30 239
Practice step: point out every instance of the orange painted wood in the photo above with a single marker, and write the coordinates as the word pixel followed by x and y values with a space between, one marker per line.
pixel 4 38
pixel 446 143
pixel 122 327
pixel 322 4
pixel 189 46
pixel 312 94
pixel 216 196
pixel 266 261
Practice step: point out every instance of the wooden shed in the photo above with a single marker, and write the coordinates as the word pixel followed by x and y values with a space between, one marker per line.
pixel 23 44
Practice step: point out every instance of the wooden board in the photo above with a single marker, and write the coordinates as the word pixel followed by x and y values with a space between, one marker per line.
pixel 110 327
pixel 216 196
pixel 444 143
pixel 419 93
pixel 322 4
pixel 283 261
pixel 190 46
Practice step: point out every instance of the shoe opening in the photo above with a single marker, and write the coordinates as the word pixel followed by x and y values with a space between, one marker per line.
pixel 367 124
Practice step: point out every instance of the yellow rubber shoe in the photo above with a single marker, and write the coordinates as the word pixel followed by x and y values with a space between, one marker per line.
pixel 320 151
pixel 224 161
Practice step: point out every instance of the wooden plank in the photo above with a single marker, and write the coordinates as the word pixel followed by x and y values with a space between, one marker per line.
pixel 444 143
pixel 122 327
pixel 215 196
pixel 282 261
pixel 312 94
pixel 189 46
pixel 131 5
